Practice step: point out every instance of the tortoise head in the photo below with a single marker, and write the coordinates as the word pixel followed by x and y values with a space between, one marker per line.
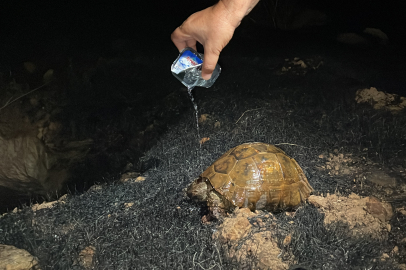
pixel 198 190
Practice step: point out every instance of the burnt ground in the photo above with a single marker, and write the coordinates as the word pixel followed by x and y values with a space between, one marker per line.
pixel 121 95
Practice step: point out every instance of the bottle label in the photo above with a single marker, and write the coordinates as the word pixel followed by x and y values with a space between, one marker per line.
pixel 186 60
pixel 187 69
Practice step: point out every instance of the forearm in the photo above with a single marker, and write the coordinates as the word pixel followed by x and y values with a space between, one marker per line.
pixel 236 10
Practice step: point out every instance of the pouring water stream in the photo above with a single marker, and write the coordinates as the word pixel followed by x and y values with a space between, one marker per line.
pixel 189 90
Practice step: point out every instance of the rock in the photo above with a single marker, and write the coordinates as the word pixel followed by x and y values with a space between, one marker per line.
pixel 43 205
pixel 402 266
pixel 388 191
pixel 25 165
pixel 381 100
pixel 132 177
pixel 385 256
pixel 12 258
pixel 395 251
pixel 203 140
pixel 86 257
pixel 63 198
pixel 401 210
pixel 381 178
pixel 260 223
pixel 128 205
pixel 32 167
pixel 287 240
pixel 380 210
pixel 95 188
pixel 203 118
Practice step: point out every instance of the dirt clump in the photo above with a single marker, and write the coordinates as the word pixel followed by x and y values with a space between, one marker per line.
pixel 12 258
pixel 252 249
pixel 86 257
pixel 381 100
pixel 299 66
pixel 366 217
pixel 339 164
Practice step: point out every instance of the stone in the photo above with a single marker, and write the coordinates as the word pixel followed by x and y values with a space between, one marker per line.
pixel 12 258
pixel 44 205
pixel 381 178
pixel 380 210
pixel 86 257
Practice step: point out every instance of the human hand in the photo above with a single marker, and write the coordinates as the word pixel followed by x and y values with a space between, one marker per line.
pixel 212 27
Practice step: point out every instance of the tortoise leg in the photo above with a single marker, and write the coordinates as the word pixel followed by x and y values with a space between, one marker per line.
pixel 217 205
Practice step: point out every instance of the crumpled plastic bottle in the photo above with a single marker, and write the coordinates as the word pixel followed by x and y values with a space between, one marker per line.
pixel 187 68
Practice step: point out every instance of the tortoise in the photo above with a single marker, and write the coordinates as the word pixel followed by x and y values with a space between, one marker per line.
pixel 254 175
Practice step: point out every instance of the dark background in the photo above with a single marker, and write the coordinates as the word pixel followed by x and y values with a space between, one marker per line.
pixel 91 23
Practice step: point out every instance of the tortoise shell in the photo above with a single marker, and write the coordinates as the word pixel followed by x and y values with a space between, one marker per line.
pixel 258 176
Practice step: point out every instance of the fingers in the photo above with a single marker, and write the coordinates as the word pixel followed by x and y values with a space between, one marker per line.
pixel 182 40
pixel 191 44
pixel 178 38
pixel 209 63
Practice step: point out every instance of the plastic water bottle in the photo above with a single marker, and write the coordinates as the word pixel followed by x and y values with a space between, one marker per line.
pixel 187 68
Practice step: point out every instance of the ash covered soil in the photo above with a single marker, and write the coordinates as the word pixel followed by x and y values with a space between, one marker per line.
pixel 142 122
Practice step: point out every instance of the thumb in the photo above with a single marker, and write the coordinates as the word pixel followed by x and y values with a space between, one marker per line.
pixel 209 64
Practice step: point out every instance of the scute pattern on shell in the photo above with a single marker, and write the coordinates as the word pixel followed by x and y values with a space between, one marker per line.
pixel 259 176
